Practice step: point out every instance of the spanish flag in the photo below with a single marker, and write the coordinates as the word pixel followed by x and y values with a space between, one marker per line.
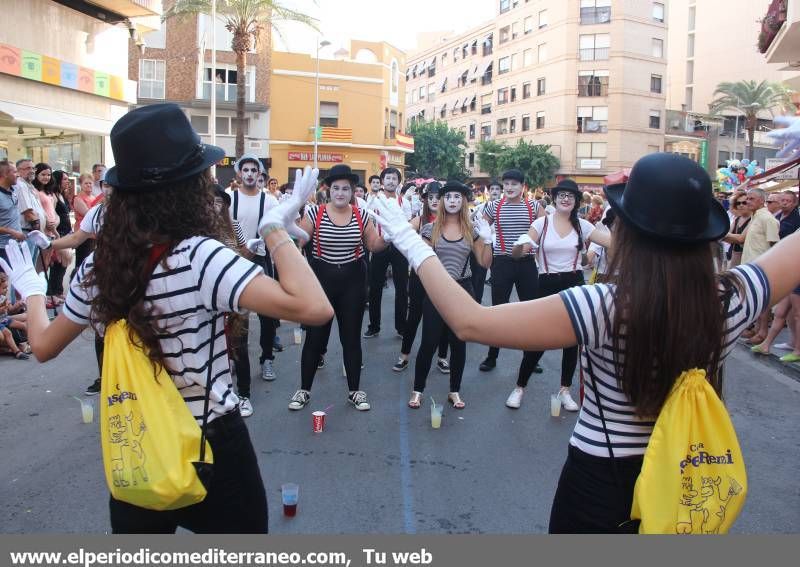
pixel 405 141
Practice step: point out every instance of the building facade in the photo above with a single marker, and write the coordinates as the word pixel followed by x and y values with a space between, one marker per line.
pixel 173 64
pixel 585 77
pixel 361 110
pixel 64 84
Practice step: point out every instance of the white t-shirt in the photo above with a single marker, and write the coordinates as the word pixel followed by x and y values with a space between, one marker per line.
pixel 556 254
pixel 247 210
pixel 29 199
pixel 601 261
pixel 93 220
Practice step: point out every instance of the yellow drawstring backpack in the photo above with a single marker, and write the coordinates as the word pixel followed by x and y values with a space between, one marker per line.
pixel 693 478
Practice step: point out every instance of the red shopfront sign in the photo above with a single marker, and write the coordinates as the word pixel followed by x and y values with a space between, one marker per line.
pixel 321 157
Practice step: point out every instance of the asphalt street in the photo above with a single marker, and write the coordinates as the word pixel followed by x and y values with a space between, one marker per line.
pixel 488 469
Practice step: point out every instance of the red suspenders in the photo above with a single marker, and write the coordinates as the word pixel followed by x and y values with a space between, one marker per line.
pixel 356 213
pixel 497 221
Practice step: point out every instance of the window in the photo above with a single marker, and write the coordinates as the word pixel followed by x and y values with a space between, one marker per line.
pixel 455 54
pixel 225 81
pixel 513 94
pixel 472 159
pixel 526 122
pixel 502 97
pixel 658 12
pixel 422 91
pixel 595 11
pixel 505 33
pixel 512 125
pixel 542 19
pixel 431 92
pixel 692 15
pixel 505 6
pixel 591 150
pixel 540 86
pixel 690 45
pixel 540 120
pixel 592 83
pixel 593 120
pixel 475 47
pixel 199 123
pixel 515 30
pixel 444 58
pixel 526 90
pixel 542 52
pixel 658 48
pixel 514 61
pixel 527 57
pixel 655 84
pixel 473 103
pixel 503 65
pixel 486 79
pixel 443 111
pixel 687 97
pixel 527 25
pixel 432 68
pixel 655 119
pixel 486 131
pixel 329 114
pixel 393 124
pixel 226 125
pixel 472 131
pixel 414 96
pixel 594 47
pixel 502 126
pixel 690 72
pixel 487 45
pixel 152 78
pixel 486 103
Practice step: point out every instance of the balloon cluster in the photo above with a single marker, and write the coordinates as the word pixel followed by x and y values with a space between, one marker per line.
pixel 737 172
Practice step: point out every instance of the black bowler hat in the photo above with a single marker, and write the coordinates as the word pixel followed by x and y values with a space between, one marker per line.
pixel 156 145
pixel 432 187
pixel 669 197
pixel 219 191
pixel 341 171
pixel 567 185
pixel 457 186
pixel 514 175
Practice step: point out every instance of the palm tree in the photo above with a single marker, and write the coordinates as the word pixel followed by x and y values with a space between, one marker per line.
pixel 750 99
pixel 245 19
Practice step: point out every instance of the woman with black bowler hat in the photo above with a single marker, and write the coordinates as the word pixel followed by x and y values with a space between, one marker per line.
pixel 634 343
pixel 560 239
pixel 341 233
pixel 159 264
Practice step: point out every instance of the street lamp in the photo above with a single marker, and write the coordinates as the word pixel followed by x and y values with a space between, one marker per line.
pixel 322 43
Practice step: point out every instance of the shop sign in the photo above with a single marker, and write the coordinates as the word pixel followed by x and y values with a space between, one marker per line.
pixel 591 163
pixel 396 158
pixel 321 157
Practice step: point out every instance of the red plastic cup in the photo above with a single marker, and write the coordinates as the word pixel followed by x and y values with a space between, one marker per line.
pixel 318 421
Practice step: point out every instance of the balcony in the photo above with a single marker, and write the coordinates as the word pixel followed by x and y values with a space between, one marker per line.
pixel 771 24
pixel 779 38
pixel 593 89
pixel 593 54
pixel 592 126
pixel 596 15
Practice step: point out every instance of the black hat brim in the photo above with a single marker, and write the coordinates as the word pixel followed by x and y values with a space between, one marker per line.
pixel 352 178
pixel 211 155
pixel 718 223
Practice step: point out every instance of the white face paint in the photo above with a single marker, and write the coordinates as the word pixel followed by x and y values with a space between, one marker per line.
pixel 261 181
pixel 495 192
pixel 341 193
pixel 249 173
pixel 564 201
pixel 433 202
pixel 390 182
pixel 512 189
pixel 375 185
pixel 453 201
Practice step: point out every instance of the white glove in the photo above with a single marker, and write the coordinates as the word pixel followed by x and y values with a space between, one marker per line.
pixel 288 211
pixel 256 246
pixel 789 136
pixel 525 239
pixel 405 239
pixel 21 274
pixel 38 238
pixel 483 229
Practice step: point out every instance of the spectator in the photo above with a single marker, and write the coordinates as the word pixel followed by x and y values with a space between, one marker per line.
pixel 740 220
pixel 774 203
pixel 62 258
pixel 98 173
pixel 789 217
pixel 596 210
pixel 10 228
pixel 83 202
pixel 42 180
pixel 32 215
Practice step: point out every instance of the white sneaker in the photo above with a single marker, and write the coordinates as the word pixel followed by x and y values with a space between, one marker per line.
pixel 267 372
pixel 566 400
pixel 515 398
pixel 245 407
pixel 299 400
pixel 359 400
pixel 784 346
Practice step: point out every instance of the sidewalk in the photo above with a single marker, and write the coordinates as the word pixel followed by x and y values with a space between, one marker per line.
pixel 790 368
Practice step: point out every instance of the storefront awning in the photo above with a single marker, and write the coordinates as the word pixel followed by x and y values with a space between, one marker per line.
pixel 24 115
pixel 484 67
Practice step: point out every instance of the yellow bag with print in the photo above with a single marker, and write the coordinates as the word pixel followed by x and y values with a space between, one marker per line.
pixel 693 478
pixel 150 439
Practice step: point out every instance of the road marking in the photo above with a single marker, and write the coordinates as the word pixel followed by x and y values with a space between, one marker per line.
pixel 409 526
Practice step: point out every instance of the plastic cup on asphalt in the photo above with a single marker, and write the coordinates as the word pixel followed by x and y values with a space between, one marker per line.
pixel 290 493
pixel 318 421
pixel 298 336
pixel 436 415
pixel 555 405
pixel 87 411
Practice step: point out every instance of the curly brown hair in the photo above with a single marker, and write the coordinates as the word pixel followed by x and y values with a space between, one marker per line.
pixel 135 220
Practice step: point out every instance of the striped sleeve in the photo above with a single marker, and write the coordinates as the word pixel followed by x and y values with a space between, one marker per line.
pixel 489 209
pixel 589 310
pixel 237 228
pixel 750 300
pixel 221 274
pixel 77 306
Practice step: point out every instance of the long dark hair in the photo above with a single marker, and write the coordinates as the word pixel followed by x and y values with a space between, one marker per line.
pixel 57 179
pixel 40 167
pixel 668 315
pixel 134 221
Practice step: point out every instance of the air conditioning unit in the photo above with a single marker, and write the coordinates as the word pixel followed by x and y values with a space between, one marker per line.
pixel 254 145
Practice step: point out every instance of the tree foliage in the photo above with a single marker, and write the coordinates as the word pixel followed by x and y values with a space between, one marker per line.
pixel 439 151
pixel 535 161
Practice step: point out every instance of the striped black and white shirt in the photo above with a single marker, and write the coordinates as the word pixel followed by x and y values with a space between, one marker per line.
pixel 204 278
pixel 333 243
pixel 453 254
pixel 515 220
pixel 591 310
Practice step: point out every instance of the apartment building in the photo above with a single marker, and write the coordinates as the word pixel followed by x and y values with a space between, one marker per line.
pixel 583 76
pixel 173 64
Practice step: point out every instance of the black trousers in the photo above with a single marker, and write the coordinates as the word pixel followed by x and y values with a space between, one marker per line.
pixel 99 346
pixel 55 278
pixel 416 297
pixel 267 324
pixel 380 261
pixel 508 273
pixel 432 327
pixel 345 286
pixel 478 277
pixel 550 284
pixel 588 498
pixel 236 501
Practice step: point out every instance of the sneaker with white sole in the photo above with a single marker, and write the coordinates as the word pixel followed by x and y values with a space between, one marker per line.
pixel 267 371
pixel 245 407
pixel 515 398
pixel 400 365
pixel 784 346
pixel 443 366
pixel 359 400
pixel 567 401
pixel 93 389
pixel 299 400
